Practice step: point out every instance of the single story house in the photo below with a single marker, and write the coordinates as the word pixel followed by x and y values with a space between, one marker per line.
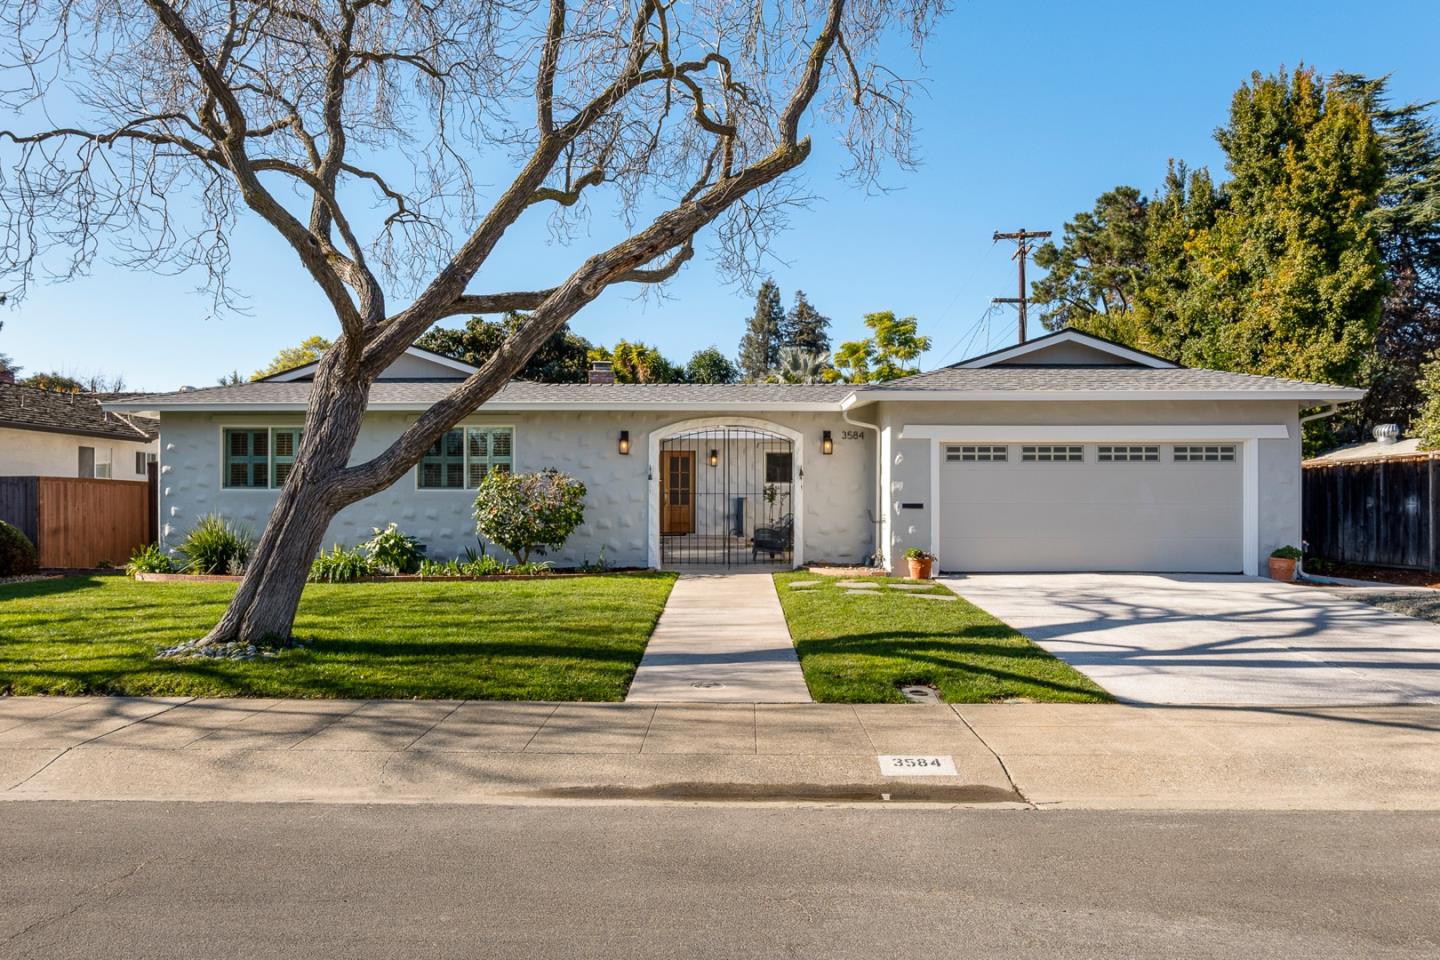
pixel 1068 452
pixel 46 433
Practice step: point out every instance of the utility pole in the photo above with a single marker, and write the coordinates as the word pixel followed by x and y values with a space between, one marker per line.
pixel 1022 238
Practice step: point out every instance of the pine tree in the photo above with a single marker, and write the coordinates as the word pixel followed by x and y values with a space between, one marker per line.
pixel 805 328
pixel 760 347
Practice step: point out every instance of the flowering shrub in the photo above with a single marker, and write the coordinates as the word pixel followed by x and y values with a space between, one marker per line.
pixel 525 512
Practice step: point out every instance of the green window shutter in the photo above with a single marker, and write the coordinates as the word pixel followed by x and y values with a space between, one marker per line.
pixel 285 443
pixel 247 458
pixel 443 465
pixel 488 448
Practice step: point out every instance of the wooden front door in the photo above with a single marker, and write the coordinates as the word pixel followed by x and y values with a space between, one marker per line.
pixel 677 492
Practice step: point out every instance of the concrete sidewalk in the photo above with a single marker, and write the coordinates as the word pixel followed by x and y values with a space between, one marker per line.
pixel 721 639
pixel 1041 755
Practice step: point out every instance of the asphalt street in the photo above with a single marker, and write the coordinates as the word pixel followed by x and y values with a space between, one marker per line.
pixel 216 880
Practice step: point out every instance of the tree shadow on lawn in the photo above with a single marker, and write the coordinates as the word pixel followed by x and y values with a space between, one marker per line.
pixel 921 657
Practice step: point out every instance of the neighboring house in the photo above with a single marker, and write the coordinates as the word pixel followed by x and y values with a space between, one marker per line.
pixel 50 434
pixel 1065 453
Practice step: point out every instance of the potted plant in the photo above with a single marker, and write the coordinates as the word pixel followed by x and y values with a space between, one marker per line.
pixel 1283 563
pixel 920 563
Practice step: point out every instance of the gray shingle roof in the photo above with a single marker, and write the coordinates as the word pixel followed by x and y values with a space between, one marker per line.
pixel 75 413
pixel 1116 378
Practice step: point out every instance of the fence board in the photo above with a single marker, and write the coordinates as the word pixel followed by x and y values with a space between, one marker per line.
pixel 1378 512
pixel 18 504
pixel 86 522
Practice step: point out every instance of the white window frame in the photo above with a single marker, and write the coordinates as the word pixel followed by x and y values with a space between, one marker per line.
pixel 270 485
pixel 143 459
pixel 104 469
pixel 465 429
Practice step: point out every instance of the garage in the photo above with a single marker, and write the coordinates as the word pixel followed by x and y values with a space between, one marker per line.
pixel 1069 506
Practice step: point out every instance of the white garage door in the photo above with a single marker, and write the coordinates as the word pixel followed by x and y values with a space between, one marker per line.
pixel 1157 507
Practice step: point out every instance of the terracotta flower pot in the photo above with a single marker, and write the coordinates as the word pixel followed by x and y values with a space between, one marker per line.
pixel 1282 568
pixel 920 567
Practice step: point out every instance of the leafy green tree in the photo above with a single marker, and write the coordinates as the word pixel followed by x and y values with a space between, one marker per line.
pixel 54 381
pixel 309 350
pixel 710 366
pixel 1098 266
pixel 639 362
pixel 231 379
pixel 529 512
pixel 562 358
pixel 1426 425
pixel 805 328
pixel 891 351
pixel 760 346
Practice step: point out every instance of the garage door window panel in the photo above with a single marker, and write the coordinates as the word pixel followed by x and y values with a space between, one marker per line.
pixel 1205 453
pixel 1114 453
pixel 977 453
pixel 1052 453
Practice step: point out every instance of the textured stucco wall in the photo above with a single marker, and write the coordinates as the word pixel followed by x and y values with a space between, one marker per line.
pixel 33 453
pixel 906 470
pixel 838 489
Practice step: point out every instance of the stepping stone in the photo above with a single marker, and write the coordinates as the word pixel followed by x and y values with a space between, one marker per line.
pixel 858 584
pixel 942 597
pixel 804 584
pixel 862 593
pixel 910 586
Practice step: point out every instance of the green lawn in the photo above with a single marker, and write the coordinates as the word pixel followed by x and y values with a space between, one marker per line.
pixel 861 649
pixel 561 639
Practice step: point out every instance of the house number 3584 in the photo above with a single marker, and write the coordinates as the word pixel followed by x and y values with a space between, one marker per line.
pixel 852 434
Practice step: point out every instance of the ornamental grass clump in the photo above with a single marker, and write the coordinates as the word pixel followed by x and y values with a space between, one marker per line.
pixel 529 512
pixel 340 566
pixel 149 559
pixel 215 545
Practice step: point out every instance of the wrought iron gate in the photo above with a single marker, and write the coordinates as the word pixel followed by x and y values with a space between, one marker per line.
pixel 727 498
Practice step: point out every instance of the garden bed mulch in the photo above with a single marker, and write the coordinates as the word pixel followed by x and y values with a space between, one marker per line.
pixel 402 578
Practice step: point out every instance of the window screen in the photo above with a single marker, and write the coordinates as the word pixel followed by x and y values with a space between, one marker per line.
pixel 778 467
pixel 1052 453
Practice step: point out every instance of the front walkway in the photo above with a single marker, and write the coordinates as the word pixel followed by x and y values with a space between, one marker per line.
pixel 721 639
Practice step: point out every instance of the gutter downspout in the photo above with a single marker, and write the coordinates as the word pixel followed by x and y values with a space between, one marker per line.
pixel 1330 410
pixel 877 511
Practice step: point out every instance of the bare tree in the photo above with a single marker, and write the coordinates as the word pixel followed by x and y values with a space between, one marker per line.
pixel 190 113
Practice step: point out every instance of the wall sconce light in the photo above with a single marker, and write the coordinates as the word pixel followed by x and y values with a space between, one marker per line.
pixel 714 458
pixel 624 442
pixel 827 443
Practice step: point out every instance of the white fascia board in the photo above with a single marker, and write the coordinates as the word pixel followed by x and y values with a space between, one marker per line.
pixel 1327 395
pixel 439 359
pixel 496 407
pixel 983 433
pixel 1066 336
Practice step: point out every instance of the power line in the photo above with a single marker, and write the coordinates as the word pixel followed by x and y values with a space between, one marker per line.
pixel 1022 238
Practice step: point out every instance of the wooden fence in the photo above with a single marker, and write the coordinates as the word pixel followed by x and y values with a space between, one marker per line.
pixel 1381 512
pixel 78 523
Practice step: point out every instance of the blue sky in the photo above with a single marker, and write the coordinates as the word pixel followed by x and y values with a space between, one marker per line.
pixel 1032 111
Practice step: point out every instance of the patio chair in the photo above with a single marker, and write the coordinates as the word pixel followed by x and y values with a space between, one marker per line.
pixel 774 539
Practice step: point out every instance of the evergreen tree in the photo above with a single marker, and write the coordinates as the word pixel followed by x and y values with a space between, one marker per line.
pixel 710 366
pixel 1426 425
pixel 760 346
pixel 805 328
pixel 1098 266
pixel 563 358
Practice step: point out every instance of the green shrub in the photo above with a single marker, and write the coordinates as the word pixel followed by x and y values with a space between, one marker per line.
pixel 17 553
pixel 1286 553
pixel 394 552
pixel 529 512
pixel 340 566
pixel 214 545
pixel 149 559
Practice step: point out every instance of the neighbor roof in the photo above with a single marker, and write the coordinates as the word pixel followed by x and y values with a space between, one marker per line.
pixel 81 414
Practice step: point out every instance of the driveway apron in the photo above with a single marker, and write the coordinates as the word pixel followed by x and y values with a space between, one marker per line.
pixel 721 639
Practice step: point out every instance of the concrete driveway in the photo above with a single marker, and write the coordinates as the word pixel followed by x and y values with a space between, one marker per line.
pixel 1199 639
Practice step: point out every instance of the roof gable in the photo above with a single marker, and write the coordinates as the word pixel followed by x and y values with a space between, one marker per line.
pixel 1066 348
pixel 416 363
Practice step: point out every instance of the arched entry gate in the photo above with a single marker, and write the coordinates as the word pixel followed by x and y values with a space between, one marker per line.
pixel 727 498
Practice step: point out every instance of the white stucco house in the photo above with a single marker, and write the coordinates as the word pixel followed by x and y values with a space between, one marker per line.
pixel 45 433
pixel 1065 453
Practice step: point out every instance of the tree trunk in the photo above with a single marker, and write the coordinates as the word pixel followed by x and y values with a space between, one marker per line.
pixel 263 608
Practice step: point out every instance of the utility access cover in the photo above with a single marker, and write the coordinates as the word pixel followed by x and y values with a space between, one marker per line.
pixel 917 766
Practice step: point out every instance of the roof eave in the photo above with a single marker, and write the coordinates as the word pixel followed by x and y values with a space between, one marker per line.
pixel 1330 395
pixel 515 406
